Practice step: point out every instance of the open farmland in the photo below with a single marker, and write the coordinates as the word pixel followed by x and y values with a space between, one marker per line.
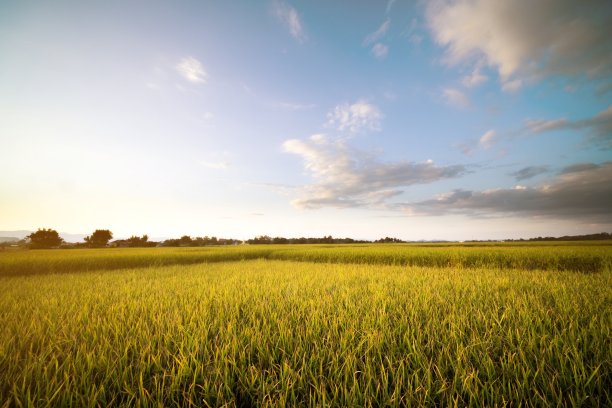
pixel 359 325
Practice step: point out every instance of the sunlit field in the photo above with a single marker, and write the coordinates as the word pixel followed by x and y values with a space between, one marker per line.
pixel 377 325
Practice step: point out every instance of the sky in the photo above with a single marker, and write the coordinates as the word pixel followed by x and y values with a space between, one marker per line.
pixel 454 120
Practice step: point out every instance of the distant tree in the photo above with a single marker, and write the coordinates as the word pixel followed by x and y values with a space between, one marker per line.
pixel 171 243
pixel 388 240
pixel 135 241
pixel 44 238
pixel 99 238
pixel 185 240
pixel 262 239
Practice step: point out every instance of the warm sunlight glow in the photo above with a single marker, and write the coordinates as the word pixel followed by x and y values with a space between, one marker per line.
pixel 198 119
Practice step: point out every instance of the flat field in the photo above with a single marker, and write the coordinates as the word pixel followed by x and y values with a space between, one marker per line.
pixel 321 325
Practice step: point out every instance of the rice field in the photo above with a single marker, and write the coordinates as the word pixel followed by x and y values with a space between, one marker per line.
pixel 320 325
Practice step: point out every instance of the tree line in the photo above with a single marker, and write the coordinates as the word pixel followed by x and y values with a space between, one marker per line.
pixel 266 240
pixel 45 238
pixel 101 238
pixel 588 237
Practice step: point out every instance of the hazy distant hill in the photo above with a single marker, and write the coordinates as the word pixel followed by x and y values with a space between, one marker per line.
pixel 21 234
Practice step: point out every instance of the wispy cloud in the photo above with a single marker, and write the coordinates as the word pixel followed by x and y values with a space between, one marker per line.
pixel 579 167
pixel 475 78
pixel 355 118
pixel 292 106
pixel 192 70
pixel 487 139
pixel 545 125
pixel 221 165
pixel 413 32
pixel 219 160
pixel 599 127
pixel 346 177
pixel 529 172
pixel 380 51
pixel 378 34
pixel 579 195
pixel 291 19
pixel 456 98
pixel 525 41
pixel 512 86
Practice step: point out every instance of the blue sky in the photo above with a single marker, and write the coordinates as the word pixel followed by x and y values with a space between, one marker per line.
pixel 467 119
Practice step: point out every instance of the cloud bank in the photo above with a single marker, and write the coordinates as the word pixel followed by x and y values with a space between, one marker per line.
pixel 525 40
pixel 346 177
pixel 599 127
pixel 581 192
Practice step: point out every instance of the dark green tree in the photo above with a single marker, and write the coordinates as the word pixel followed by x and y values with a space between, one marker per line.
pixel 44 238
pixel 135 241
pixel 99 238
pixel 185 240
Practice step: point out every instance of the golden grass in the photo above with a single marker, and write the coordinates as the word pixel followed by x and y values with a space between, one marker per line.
pixel 283 333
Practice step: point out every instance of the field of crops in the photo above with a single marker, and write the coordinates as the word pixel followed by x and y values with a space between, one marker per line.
pixel 378 325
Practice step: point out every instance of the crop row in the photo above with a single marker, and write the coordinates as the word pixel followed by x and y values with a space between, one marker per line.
pixel 578 258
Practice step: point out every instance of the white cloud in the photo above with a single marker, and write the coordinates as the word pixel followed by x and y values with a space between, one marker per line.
pixel 380 51
pixel 389 6
pixel 456 98
pixel 192 70
pixel 355 118
pixel 290 17
pixel 378 34
pixel 346 177
pixel 579 194
pixel 525 40
pixel 486 140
